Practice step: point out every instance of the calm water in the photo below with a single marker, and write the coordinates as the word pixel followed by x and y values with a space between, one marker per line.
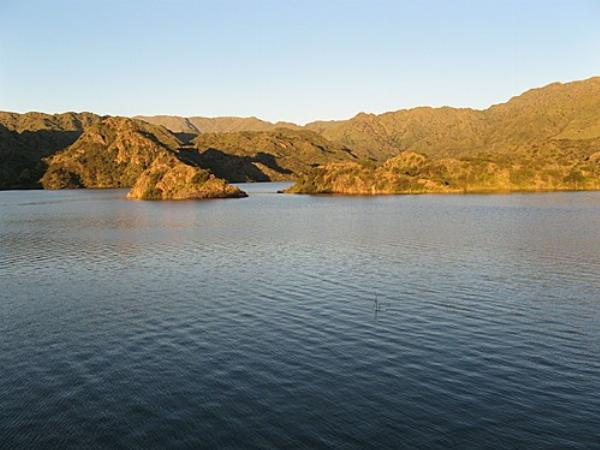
pixel 251 322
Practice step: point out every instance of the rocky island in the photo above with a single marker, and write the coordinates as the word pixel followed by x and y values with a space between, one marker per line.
pixel 168 178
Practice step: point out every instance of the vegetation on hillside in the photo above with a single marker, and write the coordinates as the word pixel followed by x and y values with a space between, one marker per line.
pixel 111 153
pixel 121 152
pixel 26 139
pixel 558 111
pixel 282 154
pixel 411 173
pixel 544 139
pixel 168 178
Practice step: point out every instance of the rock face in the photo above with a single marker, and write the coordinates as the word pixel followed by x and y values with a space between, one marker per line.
pixel 168 178
pixel 414 173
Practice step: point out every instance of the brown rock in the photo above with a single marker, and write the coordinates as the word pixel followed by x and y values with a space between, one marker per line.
pixel 170 179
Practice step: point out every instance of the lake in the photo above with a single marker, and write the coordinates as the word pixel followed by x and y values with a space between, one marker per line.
pixel 281 321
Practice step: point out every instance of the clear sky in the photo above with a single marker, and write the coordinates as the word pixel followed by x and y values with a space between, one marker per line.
pixel 287 60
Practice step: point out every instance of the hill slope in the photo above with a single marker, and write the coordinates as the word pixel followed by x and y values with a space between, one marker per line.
pixel 412 173
pixel 282 154
pixel 25 139
pixel 111 153
pixel 544 139
pixel 121 152
pixel 557 111
pixel 168 178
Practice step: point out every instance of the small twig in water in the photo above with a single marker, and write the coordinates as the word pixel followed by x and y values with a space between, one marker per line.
pixel 378 306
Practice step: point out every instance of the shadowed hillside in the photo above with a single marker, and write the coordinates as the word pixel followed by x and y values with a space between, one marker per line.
pixel 557 111
pixel 282 154
pixel 111 153
pixel 169 178
pixel 26 139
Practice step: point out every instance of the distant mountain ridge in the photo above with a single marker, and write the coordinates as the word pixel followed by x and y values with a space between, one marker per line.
pixel 197 124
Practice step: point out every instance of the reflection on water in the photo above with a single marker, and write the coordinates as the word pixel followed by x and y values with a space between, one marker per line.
pixel 251 322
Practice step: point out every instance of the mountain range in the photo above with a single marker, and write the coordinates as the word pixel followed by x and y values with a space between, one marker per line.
pixel 552 132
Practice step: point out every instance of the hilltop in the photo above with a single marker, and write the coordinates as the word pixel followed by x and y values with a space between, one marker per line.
pixel 83 150
pixel 556 111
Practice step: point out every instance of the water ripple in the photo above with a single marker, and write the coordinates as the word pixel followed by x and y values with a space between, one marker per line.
pixel 253 324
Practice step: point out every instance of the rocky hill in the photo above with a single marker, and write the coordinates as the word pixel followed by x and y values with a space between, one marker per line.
pixel 544 139
pixel 432 130
pixel 121 152
pixel 84 150
pixel 25 139
pixel 557 111
pixel 109 154
pixel 562 167
pixel 168 178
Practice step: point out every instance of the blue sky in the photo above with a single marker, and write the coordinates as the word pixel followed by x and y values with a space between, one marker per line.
pixel 287 60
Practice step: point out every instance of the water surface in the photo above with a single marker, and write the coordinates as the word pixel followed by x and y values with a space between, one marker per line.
pixel 251 322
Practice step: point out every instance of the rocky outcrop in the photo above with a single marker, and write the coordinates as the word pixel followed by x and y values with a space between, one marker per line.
pixel 168 178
